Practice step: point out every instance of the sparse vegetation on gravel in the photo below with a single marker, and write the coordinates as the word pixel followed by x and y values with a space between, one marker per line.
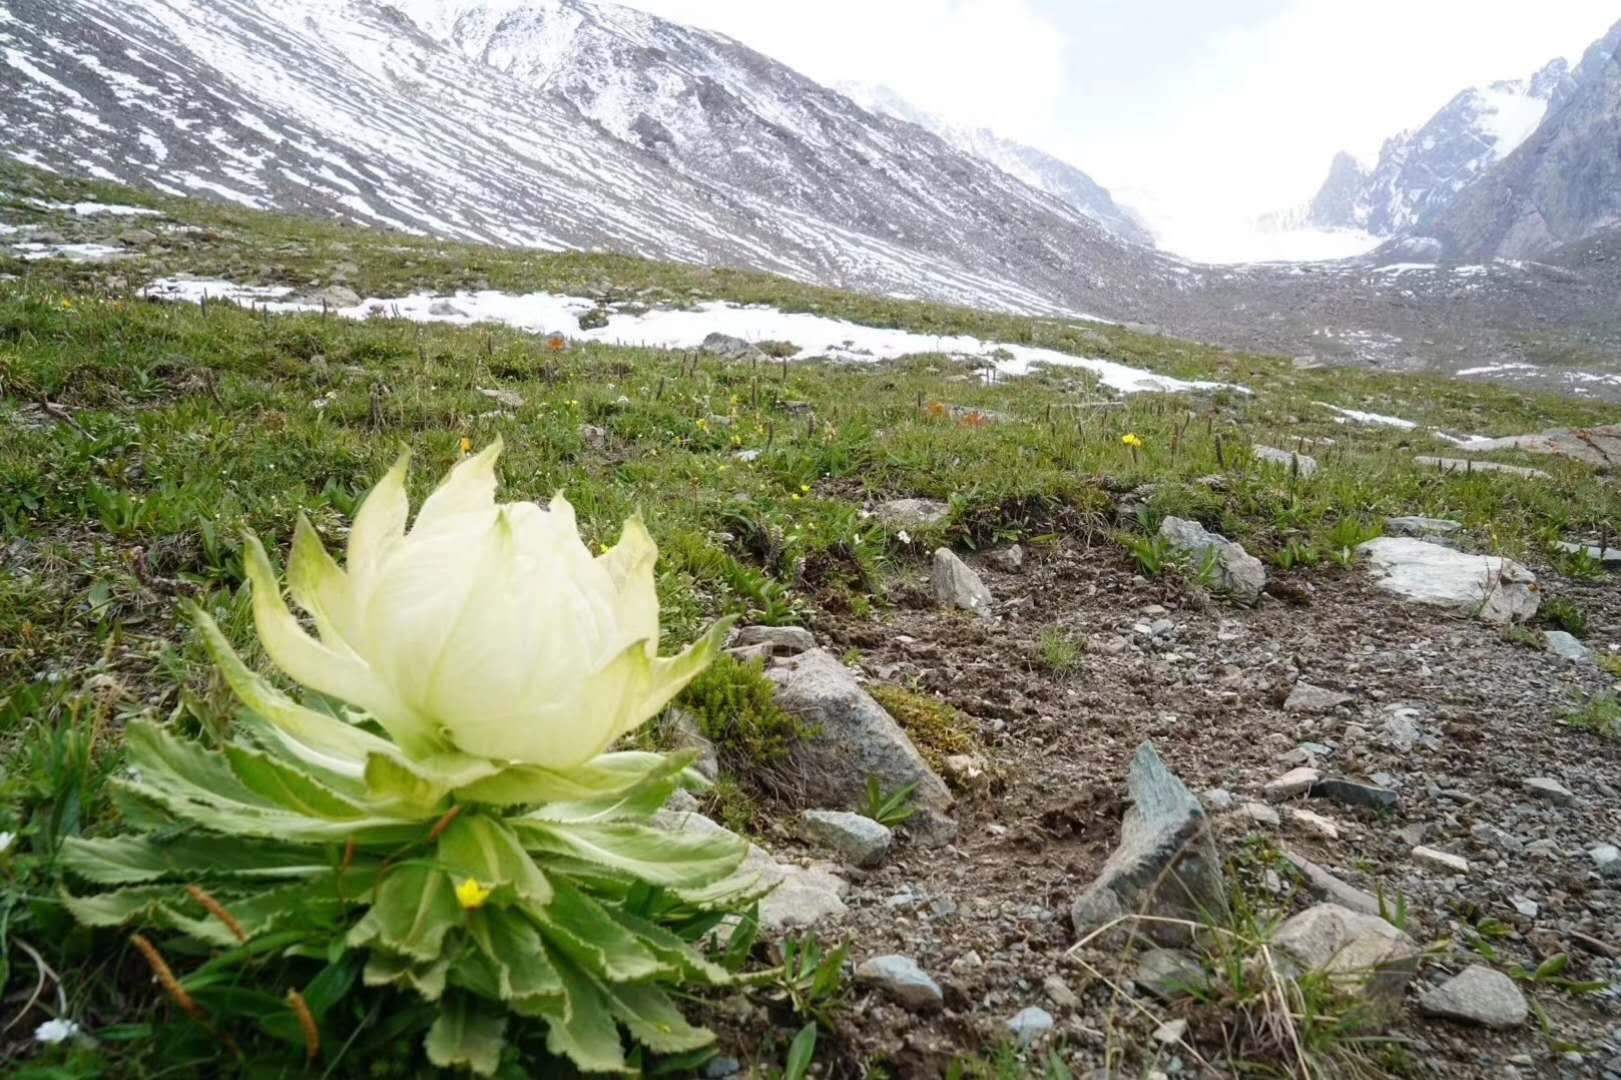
pixel 142 439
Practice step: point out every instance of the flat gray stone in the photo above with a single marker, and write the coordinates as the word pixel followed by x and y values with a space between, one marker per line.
pixel 1567 647
pixel 859 839
pixel 1421 527
pixel 731 348
pixel 900 978
pixel 1029 1025
pixel 1606 860
pixel 1359 952
pixel 1169 974
pixel 1292 783
pixel 911 513
pixel 1323 884
pixel 1349 792
pixel 1260 814
pixel 857 739
pixel 1478 995
pixel 804 897
pixel 1301 463
pixel 1009 560
pixel 1599 446
pixel 781 640
pixel 1441 860
pixel 955 584
pixel 1237 571
pixel 1166 864
pixel 1552 790
pixel 1489 588
pixel 1306 698
pixel 1608 556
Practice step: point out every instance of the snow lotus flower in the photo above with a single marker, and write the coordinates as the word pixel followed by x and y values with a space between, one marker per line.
pixel 484 629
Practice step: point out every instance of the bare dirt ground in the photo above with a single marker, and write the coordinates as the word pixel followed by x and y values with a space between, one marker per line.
pixel 988 916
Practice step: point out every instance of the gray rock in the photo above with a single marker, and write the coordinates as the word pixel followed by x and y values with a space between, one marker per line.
pixel 1441 860
pixel 1489 588
pixel 1607 860
pixel 1609 556
pixel 781 640
pixel 593 436
pixel 1218 800
pixel 861 840
pixel 1401 727
pixel 803 897
pixel 145 238
pixel 1168 974
pixel 1354 793
pixel 684 735
pixel 1009 560
pixel 1029 1025
pixel 1316 824
pixel 1060 993
pixel 445 309
pixel 1449 465
pixel 511 399
pixel 1421 527
pixel 1599 447
pixel 721 1067
pixel 1292 783
pixel 1271 455
pixel 335 296
pixel 1166 865
pixel 1552 790
pixel 911 513
pixel 900 978
pixel 1321 883
pixel 1565 645
pixel 955 584
pixel 731 348
pixel 857 739
pixel 1478 995
pixel 1358 952
pixel 1260 814
pixel 1237 571
pixel 1306 698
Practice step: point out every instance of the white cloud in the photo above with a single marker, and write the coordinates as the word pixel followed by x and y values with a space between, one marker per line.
pixel 976 61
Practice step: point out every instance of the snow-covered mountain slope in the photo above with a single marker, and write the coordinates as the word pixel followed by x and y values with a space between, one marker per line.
pixel 555 124
pixel 1420 172
pixel 1561 186
pixel 1035 167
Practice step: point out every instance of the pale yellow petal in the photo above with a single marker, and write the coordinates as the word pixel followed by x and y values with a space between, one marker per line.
pixel 469 488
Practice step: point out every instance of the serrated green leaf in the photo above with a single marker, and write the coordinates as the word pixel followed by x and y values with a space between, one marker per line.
pixel 467 1034
pixel 581 1027
pixel 286 788
pixel 637 802
pixel 687 859
pixel 415 907
pixel 513 947
pixel 125 860
pixel 1554 965
pixel 396 785
pixel 391 969
pixel 484 848
pixel 582 930
pixel 678 954
pixel 522 785
pixel 652 1018
pixel 157 757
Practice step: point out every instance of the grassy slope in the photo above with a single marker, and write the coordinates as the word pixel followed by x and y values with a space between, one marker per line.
pixel 141 439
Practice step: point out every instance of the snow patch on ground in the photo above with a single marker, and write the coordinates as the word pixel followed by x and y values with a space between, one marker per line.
pixel 1368 419
pixel 71 252
pixel 815 335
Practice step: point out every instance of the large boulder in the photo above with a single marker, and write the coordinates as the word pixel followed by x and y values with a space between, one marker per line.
pixel 856 739
pixel 955 584
pixel 731 348
pixel 1166 864
pixel 1359 953
pixel 1490 588
pixel 1237 571
pixel 1599 447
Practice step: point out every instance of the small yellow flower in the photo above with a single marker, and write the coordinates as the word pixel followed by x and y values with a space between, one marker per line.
pixel 805 488
pixel 795 496
pixel 1132 441
pixel 466 445
pixel 471 895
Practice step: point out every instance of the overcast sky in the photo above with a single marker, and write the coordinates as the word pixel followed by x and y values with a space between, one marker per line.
pixel 1198 111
